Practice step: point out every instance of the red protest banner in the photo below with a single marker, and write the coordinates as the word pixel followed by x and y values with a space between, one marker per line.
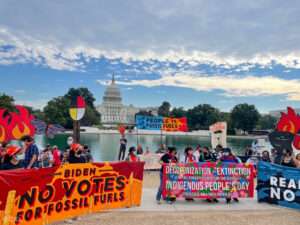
pixel 174 124
pixel 208 180
pixel 42 196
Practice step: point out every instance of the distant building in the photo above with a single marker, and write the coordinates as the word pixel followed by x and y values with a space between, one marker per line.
pixel 113 112
pixel 277 113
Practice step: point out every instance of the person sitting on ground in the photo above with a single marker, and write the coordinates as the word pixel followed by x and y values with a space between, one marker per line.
pixel 75 154
pixel 288 159
pixel 65 156
pixel 169 157
pixel 11 160
pixel 31 152
pixel 139 150
pixel 56 156
pixel 265 156
pixel 297 160
pixel 87 154
pixel 2 153
pixel 132 157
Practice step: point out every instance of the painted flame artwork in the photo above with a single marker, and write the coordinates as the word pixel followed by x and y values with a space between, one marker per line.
pixel 290 122
pixel 15 125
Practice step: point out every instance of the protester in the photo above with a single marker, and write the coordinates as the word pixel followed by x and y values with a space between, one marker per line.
pixel 206 155
pixel 197 152
pixel 31 152
pixel 248 152
pixel 287 159
pixel 2 153
pixel 162 149
pixel 139 150
pixel 297 160
pixel 65 158
pixel 46 158
pixel 219 151
pixel 122 149
pixel 189 156
pixel 132 157
pixel 75 154
pixel 265 156
pixel 229 157
pixel 87 154
pixel 56 156
pixel 11 160
pixel 147 152
pixel 169 157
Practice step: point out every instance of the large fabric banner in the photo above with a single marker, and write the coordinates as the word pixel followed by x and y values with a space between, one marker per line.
pixel 149 122
pixel 278 185
pixel 208 180
pixel 41 196
pixel 161 123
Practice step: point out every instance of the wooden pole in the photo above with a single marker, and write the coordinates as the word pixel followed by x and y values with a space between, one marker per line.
pixel 76 131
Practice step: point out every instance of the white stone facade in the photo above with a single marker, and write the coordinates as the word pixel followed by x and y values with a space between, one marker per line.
pixel 113 112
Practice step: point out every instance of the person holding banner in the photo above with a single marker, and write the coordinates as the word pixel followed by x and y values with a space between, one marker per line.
pixel 11 160
pixel 31 152
pixel 297 160
pixel 75 155
pixel 169 157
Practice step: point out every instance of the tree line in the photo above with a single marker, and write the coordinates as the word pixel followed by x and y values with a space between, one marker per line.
pixel 243 117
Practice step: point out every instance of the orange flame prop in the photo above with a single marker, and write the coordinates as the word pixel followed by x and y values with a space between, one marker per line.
pixel 289 122
pixel 14 125
pixel 4 135
pixel 20 123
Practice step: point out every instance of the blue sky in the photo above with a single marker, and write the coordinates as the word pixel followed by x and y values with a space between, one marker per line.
pixel 186 52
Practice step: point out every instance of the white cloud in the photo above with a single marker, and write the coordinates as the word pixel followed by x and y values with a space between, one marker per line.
pixel 233 86
pixel 66 36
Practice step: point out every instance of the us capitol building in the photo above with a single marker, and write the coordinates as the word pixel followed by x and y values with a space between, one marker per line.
pixel 113 112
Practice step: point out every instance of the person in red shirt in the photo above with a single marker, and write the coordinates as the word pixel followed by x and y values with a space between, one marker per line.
pixel 132 157
pixel 56 156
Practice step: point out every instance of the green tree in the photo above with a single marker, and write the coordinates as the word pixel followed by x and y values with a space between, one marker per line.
pixel 164 109
pixel 7 102
pixel 266 122
pixel 244 117
pixel 202 116
pixel 57 110
pixel 178 112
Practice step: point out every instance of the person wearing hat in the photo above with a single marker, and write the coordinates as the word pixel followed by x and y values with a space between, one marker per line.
pixel 75 155
pixel 10 159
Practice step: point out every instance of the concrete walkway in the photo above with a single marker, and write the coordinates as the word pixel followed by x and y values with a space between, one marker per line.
pixel 245 204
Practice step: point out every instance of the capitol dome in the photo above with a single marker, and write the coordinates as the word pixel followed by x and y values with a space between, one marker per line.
pixel 112 93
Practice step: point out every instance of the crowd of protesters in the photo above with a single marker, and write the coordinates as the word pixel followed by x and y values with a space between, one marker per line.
pixel 285 158
pixel 29 156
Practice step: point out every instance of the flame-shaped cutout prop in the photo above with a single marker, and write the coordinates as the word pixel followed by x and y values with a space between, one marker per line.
pixel 290 122
pixel 15 125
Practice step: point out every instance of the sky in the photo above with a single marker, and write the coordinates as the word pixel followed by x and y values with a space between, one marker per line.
pixel 187 52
